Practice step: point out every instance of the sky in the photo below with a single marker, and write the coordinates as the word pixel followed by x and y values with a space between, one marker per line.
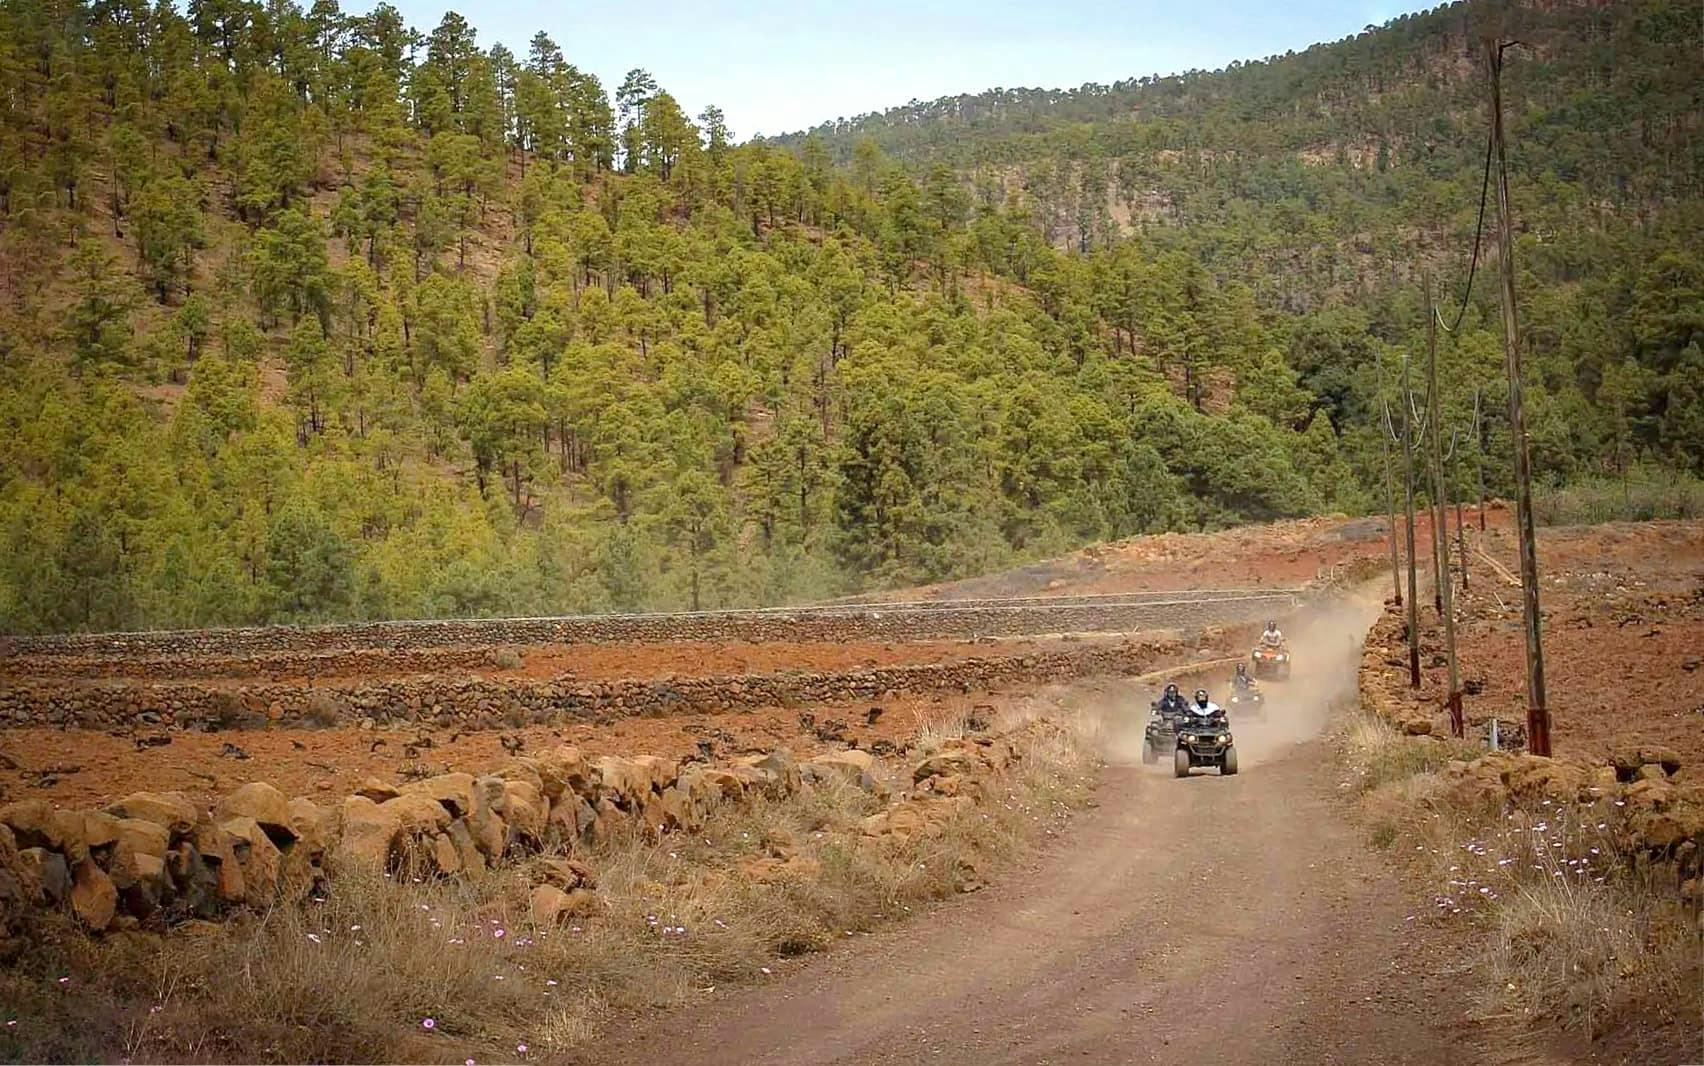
pixel 784 66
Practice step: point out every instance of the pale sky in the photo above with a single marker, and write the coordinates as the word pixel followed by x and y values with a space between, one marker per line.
pixel 779 67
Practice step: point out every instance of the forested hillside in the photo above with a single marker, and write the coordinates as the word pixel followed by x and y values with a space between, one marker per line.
pixel 309 315
pixel 1326 181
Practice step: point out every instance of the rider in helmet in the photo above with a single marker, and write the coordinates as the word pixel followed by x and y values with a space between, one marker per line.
pixel 1204 707
pixel 1272 637
pixel 1172 703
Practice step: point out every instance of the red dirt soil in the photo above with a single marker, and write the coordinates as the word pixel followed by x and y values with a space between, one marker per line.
pixel 1623 608
pixel 1280 554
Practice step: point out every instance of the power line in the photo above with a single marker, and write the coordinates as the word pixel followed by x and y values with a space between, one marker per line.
pixel 1478 234
pixel 1478 223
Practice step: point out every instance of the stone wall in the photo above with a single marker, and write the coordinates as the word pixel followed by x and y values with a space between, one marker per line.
pixel 492 702
pixel 153 860
pixel 913 621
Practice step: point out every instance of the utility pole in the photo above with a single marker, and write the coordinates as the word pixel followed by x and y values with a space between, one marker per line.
pixel 1479 456
pixel 1439 569
pixel 1390 493
pixel 1538 712
pixel 1408 516
pixel 1461 535
pixel 1458 723
pixel 1440 552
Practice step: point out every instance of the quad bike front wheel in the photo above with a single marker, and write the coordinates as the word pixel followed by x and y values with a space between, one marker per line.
pixel 1180 763
pixel 1229 766
pixel 1149 755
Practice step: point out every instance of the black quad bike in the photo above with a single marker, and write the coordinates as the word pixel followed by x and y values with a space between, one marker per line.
pixel 1159 735
pixel 1204 741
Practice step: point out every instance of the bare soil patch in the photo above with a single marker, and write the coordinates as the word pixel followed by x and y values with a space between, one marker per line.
pixel 1623 609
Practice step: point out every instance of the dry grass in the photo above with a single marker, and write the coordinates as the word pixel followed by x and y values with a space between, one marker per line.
pixel 1574 933
pixel 1378 755
pixel 356 976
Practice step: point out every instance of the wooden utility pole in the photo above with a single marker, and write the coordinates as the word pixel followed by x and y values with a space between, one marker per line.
pixel 1440 552
pixel 1408 517
pixel 1458 723
pixel 1390 493
pixel 1538 711
pixel 1461 535
pixel 1479 456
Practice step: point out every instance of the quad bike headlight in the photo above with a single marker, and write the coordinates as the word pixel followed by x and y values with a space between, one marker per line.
pixel 1223 737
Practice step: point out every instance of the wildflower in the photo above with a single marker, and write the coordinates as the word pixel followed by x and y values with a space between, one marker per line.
pixel 315 937
pixel 428 1023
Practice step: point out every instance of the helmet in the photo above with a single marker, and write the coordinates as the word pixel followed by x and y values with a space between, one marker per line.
pixel 1270 624
pixel 1171 690
pixel 1242 668
pixel 1200 695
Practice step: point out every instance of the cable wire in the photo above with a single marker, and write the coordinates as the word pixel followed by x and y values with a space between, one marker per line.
pixel 1478 235
pixel 1479 222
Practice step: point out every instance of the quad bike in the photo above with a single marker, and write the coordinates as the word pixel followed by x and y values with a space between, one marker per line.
pixel 1271 662
pixel 1249 701
pixel 1205 741
pixel 1159 735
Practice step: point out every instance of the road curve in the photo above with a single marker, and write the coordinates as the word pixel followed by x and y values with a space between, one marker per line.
pixel 1233 920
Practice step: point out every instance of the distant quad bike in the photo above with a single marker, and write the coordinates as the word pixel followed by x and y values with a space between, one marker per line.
pixel 1204 741
pixel 1249 701
pixel 1159 735
pixel 1273 663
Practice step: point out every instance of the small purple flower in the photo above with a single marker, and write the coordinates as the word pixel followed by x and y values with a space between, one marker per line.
pixel 428 1023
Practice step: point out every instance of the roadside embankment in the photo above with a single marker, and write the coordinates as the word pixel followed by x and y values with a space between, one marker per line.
pixel 1578 879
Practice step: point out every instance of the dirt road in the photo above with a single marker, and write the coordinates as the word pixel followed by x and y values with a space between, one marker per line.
pixel 1213 919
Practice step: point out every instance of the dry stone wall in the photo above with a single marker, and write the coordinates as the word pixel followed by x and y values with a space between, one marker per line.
pixel 153 860
pixel 866 622
pixel 489 702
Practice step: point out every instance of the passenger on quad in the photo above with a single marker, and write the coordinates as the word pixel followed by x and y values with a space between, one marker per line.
pixel 1171 704
pixel 1272 637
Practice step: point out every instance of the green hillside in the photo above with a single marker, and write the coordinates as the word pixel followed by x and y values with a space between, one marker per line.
pixel 1327 181
pixel 308 315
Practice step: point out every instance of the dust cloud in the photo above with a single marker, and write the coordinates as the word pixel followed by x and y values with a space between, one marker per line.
pixel 1325 644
